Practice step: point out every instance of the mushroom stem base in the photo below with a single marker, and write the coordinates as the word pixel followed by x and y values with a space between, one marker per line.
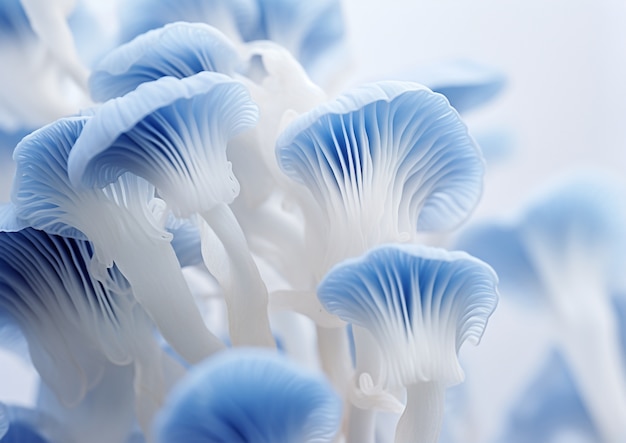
pixel 421 420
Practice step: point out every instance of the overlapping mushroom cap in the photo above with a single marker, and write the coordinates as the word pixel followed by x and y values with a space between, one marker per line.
pixel 44 196
pixel 248 395
pixel 174 133
pixel 179 50
pixel 118 220
pixel 310 31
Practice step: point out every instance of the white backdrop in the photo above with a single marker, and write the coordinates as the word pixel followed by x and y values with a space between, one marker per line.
pixel 564 106
pixel 566 66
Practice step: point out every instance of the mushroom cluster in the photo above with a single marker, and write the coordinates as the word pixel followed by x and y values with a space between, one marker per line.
pixel 212 247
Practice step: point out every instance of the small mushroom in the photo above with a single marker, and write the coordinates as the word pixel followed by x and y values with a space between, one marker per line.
pixel 414 307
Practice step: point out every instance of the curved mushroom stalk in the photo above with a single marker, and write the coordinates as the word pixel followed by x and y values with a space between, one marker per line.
pixel 421 420
pixel 250 395
pixel 283 88
pixel 369 394
pixel 313 33
pixel 241 282
pixel 419 305
pixel 174 133
pixel 273 224
pixel 118 220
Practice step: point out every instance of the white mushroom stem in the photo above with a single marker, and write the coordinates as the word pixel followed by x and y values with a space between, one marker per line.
pixel 370 395
pixel 166 297
pixel 588 330
pixel 154 373
pixel 362 426
pixel 245 292
pixel 334 351
pixel 422 418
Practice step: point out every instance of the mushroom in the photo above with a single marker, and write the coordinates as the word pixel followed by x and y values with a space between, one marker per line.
pixel 411 309
pixel 376 165
pixel 381 163
pixel 174 133
pixel 178 49
pixel 566 249
pixel 313 33
pixel 250 395
pixel 118 220
pixel 76 327
pixel 277 83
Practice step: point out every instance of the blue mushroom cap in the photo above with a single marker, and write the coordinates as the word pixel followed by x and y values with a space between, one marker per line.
pixel 179 50
pixel 173 133
pixel 250 395
pixel 390 149
pixel 420 304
